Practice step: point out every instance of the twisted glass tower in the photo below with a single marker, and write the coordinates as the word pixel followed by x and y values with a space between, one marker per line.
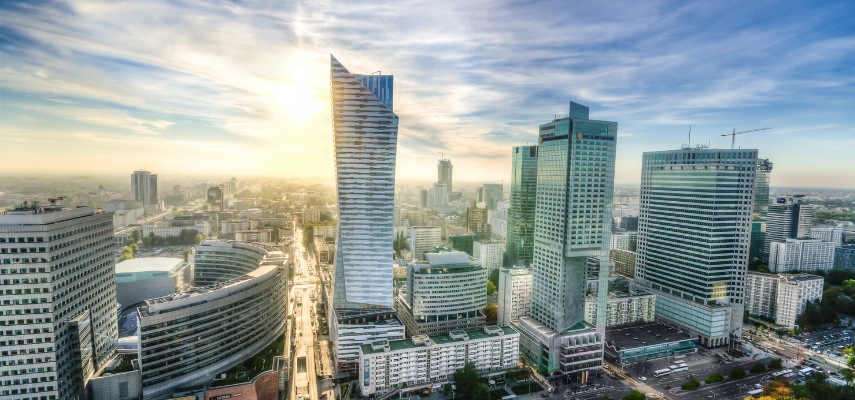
pixel 365 136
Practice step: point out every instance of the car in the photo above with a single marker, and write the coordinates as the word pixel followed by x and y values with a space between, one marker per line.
pixel 758 386
pixel 545 394
pixel 667 386
pixel 642 378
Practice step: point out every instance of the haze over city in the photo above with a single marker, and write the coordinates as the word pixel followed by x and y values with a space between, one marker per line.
pixel 243 88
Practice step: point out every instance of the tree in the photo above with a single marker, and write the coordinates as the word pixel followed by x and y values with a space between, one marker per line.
pixel 848 375
pixel 522 374
pixel 135 236
pixel 776 363
pixel 468 381
pixel 491 312
pixel 446 389
pixel 692 384
pixel 491 288
pixel 758 368
pixel 634 395
pixel 713 378
pixel 494 277
pixel 737 373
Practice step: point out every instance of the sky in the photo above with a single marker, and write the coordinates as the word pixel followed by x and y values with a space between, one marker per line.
pixel 242 88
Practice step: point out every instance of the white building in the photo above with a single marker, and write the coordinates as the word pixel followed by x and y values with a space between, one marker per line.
pixel 388 364
pixel 623 308
pixel 57 300
pixel 834 235
pixel 169 228
pixel 780 297
pixel 514 294
pixel 801 255
pixel 626 241
pixel 423 239
pixel 498 219
pixel 232 226
pixel 794 291
pixel 257 236
pixel 139 279
pixel 490 252
pixel 354 328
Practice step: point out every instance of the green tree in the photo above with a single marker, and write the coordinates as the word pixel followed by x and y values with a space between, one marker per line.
pixel 776 363
pixel 492 313
pixel 848 375
pixel 446 389
pixel 494 277
pixel 758 368
pixel 691 384
pixel 468 381
pixel 634 395
pixel 737 373
pixel 491 288
pixel 713 378
pixel 135 236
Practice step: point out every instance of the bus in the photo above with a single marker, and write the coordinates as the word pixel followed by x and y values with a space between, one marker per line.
pixel 805 371
pixel 782 372
pixel 680 368
pixel 661 372
pixel 755 392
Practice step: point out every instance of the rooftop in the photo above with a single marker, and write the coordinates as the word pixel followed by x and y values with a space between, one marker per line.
pixel 427 341
pixel 150 264
pixel 628 337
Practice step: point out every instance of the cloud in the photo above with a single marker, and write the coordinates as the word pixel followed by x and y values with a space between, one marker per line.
pixel 472 78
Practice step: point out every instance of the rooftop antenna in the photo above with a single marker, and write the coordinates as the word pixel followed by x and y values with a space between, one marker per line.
pixel 376 72
pixel 690 136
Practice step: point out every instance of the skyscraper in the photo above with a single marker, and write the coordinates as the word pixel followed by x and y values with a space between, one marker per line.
pixel 694 235
pixel 365 136
pixel 477 221
pixel 144 187
pixel 761 209
pixel 444 169
pixel 521 214
pixel 788 218
pixel 573 217
pixel 58 316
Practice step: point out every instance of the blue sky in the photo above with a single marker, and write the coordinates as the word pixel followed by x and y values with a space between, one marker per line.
pixel 241 88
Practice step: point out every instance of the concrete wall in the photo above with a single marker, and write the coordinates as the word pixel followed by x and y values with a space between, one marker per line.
pixel 108 387
pixel 128 294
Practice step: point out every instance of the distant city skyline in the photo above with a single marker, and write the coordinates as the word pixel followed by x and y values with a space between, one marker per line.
pixel 88 88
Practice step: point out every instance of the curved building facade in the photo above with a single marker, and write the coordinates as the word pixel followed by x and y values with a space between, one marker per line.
pixel 220 260
pixel 187 338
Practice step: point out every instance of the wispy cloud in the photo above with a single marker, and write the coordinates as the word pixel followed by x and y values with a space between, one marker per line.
pixel 472 78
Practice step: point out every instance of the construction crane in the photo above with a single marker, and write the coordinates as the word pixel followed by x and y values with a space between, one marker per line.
pixel 734 133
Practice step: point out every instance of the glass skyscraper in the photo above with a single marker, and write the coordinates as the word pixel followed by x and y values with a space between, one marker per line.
pixel 520 240
pixel 444 171
pixel 573 216
pixel 694 235
pixel 365 136
pixel 761 209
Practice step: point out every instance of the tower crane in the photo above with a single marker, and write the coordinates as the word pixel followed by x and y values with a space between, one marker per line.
pixel 734 133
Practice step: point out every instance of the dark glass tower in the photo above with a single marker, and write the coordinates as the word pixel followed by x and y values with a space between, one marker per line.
pixel 520 240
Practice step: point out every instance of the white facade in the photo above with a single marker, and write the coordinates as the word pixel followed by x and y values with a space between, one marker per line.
pixel 781 297
pixel 227 227
pixel 623 308
pixel 624 241
pixel 423 239
pixel 385 365
pixel 354 328
pixel 165 229
pixel 794 292
pixel 57 300
pixel 801 255
pixel 514 294
pixel 498 219
pixel 258 236
pixel 490 252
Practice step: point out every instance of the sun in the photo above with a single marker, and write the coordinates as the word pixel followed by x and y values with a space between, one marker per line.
pixel 299 102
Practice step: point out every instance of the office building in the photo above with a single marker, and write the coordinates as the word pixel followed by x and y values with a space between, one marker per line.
pixel 514 294
pixel 444 171
pixel 423 239
pixel 520 236
pixel 573 219
pixel 255 235
pixel 464 243
pixel 834 235
pixel 628 223
pixel 624 241
pixel 844 257
pixel 476 221
pixel 365 137
pixel 490 252
pixel 801 255
pixel 623 308
pixel 788 218
pixel 495 193
pixel 388 364
pixel 624 261
pixel 58 286
pixel 212 338
pixel 761 209
pixel 780 297
pixel 498 219
pixel 139 279
pixel 446 293
pixel 144 187
pixel 215 199
pixel 694 235
pixel 628 345
pixel 423 198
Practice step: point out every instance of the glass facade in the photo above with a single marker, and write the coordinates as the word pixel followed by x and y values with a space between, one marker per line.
pixel 520 240
pixel 365 135
pixel 694 235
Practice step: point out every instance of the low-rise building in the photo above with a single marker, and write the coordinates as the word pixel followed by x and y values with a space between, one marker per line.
pixel 257 236
pixel 354 328
pixel 844 257
pixel 446 293
pixel 801 255
pixel 232 226
pixel 623 308
pixel 624 241
pixel 780 297
pixel 628 345
pixel 514 294
pixel 139 279
pixel 421 359
pixel 624 261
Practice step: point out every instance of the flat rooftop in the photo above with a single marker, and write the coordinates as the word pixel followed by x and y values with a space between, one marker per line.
pixel 623 338
pixel 149 264
pixel 403 344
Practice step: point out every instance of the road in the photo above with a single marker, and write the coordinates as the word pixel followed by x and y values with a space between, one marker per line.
pixel 308 356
